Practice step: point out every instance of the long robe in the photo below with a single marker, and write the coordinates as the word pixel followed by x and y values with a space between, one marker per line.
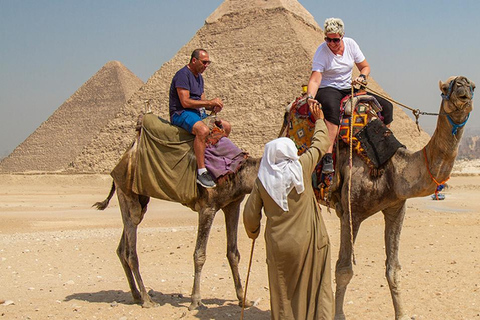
pixel 297 244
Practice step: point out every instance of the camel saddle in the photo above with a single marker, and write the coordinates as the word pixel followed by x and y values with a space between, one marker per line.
pixel 371 139
pixel 166 167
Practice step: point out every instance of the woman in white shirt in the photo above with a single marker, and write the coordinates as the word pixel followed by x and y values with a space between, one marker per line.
pixel 331 76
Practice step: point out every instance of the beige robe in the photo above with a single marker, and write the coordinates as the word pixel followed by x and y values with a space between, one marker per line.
pixel 297 244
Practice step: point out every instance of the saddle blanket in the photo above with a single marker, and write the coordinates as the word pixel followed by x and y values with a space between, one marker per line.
pixel 166 167
pixel 371 139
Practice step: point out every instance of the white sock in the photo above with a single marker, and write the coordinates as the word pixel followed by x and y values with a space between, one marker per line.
pixel 202 170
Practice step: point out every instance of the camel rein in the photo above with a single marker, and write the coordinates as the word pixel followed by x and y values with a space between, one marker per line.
pixel 350 165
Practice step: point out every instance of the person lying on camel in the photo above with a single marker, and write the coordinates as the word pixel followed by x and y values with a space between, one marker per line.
pixel 187 104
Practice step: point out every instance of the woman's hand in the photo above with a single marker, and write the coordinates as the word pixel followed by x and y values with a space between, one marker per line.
pixel 361 80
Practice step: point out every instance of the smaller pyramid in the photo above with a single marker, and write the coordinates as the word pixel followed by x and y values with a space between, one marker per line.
pixel 57 141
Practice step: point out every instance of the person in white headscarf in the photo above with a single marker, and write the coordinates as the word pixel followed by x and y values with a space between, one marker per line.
pixel 297 243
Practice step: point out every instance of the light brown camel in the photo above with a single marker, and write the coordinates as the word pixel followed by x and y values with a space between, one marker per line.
pixel 407 175
pixel 227 196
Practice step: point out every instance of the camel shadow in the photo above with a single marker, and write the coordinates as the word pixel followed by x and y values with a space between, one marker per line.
pixel 213 308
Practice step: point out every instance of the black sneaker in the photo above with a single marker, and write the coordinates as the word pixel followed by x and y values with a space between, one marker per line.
pixel 205 180
pixel 327 166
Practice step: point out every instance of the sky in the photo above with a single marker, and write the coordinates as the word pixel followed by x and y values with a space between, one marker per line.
pixel 50 48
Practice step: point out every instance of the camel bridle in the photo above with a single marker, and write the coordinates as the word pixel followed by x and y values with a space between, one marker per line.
pixel 446 99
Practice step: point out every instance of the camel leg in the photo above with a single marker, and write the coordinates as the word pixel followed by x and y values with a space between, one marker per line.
pixel 133 208
pixel 122 255
pixel 393 228
pixel 344 268
pixel 205 220
pixel 232 213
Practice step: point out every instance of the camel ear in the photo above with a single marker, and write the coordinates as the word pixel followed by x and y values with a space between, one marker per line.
pixel 443 86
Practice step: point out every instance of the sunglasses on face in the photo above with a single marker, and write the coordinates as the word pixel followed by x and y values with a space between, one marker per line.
pixel 205 62
pixel 335 40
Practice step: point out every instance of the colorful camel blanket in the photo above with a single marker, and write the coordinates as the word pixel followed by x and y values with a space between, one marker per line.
pixel 371 139
pixel 300 127
pixel 166 167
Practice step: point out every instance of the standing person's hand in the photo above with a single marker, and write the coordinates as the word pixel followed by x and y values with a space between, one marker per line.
pixel 316 110
pixel 311 101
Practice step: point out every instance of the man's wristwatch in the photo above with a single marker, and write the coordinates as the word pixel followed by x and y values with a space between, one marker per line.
pixel 309 96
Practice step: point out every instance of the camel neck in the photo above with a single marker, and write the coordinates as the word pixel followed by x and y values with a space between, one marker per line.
pixel 442 148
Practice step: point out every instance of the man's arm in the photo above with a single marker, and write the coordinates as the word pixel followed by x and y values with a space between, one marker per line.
pixel 252 213
pixel 215 104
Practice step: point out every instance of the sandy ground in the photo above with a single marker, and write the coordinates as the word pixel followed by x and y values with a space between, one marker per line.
pixel 58 260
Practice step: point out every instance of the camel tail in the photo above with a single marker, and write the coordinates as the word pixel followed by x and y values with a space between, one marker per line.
pixel 102 205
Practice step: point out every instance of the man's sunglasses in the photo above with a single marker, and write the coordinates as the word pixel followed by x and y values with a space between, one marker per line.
pixel 205 62
pixel 335 40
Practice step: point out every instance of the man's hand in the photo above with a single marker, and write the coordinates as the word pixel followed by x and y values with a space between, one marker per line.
pixel 316 110
pixel 216 104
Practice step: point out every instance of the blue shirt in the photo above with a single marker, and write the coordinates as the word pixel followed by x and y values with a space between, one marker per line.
pixel 185 79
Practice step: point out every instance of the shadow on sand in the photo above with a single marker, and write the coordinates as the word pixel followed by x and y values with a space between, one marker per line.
pixel 213 308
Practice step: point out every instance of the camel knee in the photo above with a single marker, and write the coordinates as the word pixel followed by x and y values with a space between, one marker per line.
pixel 392 274
pixel 343 276
pixel 233 257
pixel 199 258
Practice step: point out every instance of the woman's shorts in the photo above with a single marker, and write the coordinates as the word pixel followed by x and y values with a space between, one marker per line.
pixel 330 99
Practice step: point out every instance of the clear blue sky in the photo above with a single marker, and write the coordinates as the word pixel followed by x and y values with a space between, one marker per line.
pixel 49 48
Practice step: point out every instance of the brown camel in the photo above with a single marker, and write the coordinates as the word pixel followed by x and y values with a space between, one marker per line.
pixel 407 175
pixel 227 196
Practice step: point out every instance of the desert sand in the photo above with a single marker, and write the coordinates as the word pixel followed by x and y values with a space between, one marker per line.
pixel 58 260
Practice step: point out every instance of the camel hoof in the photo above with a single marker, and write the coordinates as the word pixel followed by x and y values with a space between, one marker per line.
pixel 149 304
pixel 197 305
pixel 248 304
pixel 340 317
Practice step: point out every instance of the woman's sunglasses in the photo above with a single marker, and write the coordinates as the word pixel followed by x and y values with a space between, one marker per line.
pixel 335 40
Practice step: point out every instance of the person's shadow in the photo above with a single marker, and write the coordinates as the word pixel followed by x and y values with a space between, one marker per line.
pixel 217 309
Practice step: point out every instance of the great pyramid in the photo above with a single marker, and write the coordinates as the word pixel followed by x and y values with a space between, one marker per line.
pixel 262 53
pixel 56 142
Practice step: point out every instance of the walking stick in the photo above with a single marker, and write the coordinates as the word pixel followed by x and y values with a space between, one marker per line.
pixel 248 276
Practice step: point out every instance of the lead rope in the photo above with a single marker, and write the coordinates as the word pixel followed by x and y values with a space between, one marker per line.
pixel 350 164
pixel 416 112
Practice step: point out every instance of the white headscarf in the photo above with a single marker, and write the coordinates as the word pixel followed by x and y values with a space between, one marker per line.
pixel 280 170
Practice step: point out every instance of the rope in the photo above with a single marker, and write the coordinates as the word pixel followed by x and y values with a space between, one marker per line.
pixel 350 164
pixel 248 276
pixel 416 112
pixel 431 175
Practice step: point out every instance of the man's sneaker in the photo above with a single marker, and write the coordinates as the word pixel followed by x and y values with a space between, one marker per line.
pixel 205 180
pixel 327 166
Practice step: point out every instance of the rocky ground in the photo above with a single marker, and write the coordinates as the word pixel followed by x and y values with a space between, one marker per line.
pixel 58 261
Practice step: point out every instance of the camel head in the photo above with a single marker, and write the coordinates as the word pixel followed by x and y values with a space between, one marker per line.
pixel 457 94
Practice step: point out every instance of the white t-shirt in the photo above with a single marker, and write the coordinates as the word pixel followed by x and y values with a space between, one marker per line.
pixel 337 69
